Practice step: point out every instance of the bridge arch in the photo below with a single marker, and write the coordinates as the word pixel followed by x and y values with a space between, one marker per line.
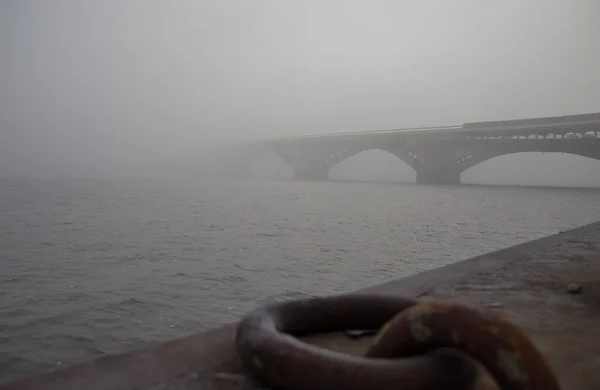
pixel 532 168
pixel 436 161
pixel 337 157
pixel 335 161
pixel 448 167
pixel 477 157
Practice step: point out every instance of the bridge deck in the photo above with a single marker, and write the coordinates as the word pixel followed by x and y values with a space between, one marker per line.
pixel 589 121
pixel 527 283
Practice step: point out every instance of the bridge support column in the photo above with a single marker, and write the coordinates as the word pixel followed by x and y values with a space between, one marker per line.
pixel 440 176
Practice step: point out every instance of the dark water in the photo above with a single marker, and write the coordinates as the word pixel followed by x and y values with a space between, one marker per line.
pixel 97 267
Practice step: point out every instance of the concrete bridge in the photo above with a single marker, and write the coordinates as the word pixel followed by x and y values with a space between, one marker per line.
pixel 438 154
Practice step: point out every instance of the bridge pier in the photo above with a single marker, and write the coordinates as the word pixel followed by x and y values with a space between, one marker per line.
pixel 438 155
pixel 440 176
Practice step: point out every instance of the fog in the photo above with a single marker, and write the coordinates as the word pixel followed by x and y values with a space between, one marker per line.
pixel 138 87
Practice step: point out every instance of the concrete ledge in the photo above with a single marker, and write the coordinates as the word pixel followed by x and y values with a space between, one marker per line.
pixel 425 282
pixel 208 361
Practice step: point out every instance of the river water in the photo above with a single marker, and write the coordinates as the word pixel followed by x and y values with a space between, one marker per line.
pixel 92 267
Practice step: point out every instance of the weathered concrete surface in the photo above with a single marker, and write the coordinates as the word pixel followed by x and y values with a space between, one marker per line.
pixel 527 283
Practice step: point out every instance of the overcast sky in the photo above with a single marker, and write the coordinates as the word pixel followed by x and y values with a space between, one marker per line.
pixel 106 84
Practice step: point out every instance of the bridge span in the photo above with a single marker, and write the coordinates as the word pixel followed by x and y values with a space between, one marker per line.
pixel 438 154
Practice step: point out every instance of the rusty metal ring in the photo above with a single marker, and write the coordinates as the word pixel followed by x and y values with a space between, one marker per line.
pixel 268 346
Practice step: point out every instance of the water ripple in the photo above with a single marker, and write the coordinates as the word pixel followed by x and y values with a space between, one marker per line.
pixel 99 267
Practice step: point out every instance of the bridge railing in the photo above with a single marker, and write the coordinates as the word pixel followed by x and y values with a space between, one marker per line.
pixel 554 120
pixel 497 126
pixel 360 133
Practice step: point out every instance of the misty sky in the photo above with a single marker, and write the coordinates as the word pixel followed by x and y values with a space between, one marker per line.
pixel 100 85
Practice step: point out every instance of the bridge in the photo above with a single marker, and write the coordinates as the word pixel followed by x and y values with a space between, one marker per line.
pixel 438 154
